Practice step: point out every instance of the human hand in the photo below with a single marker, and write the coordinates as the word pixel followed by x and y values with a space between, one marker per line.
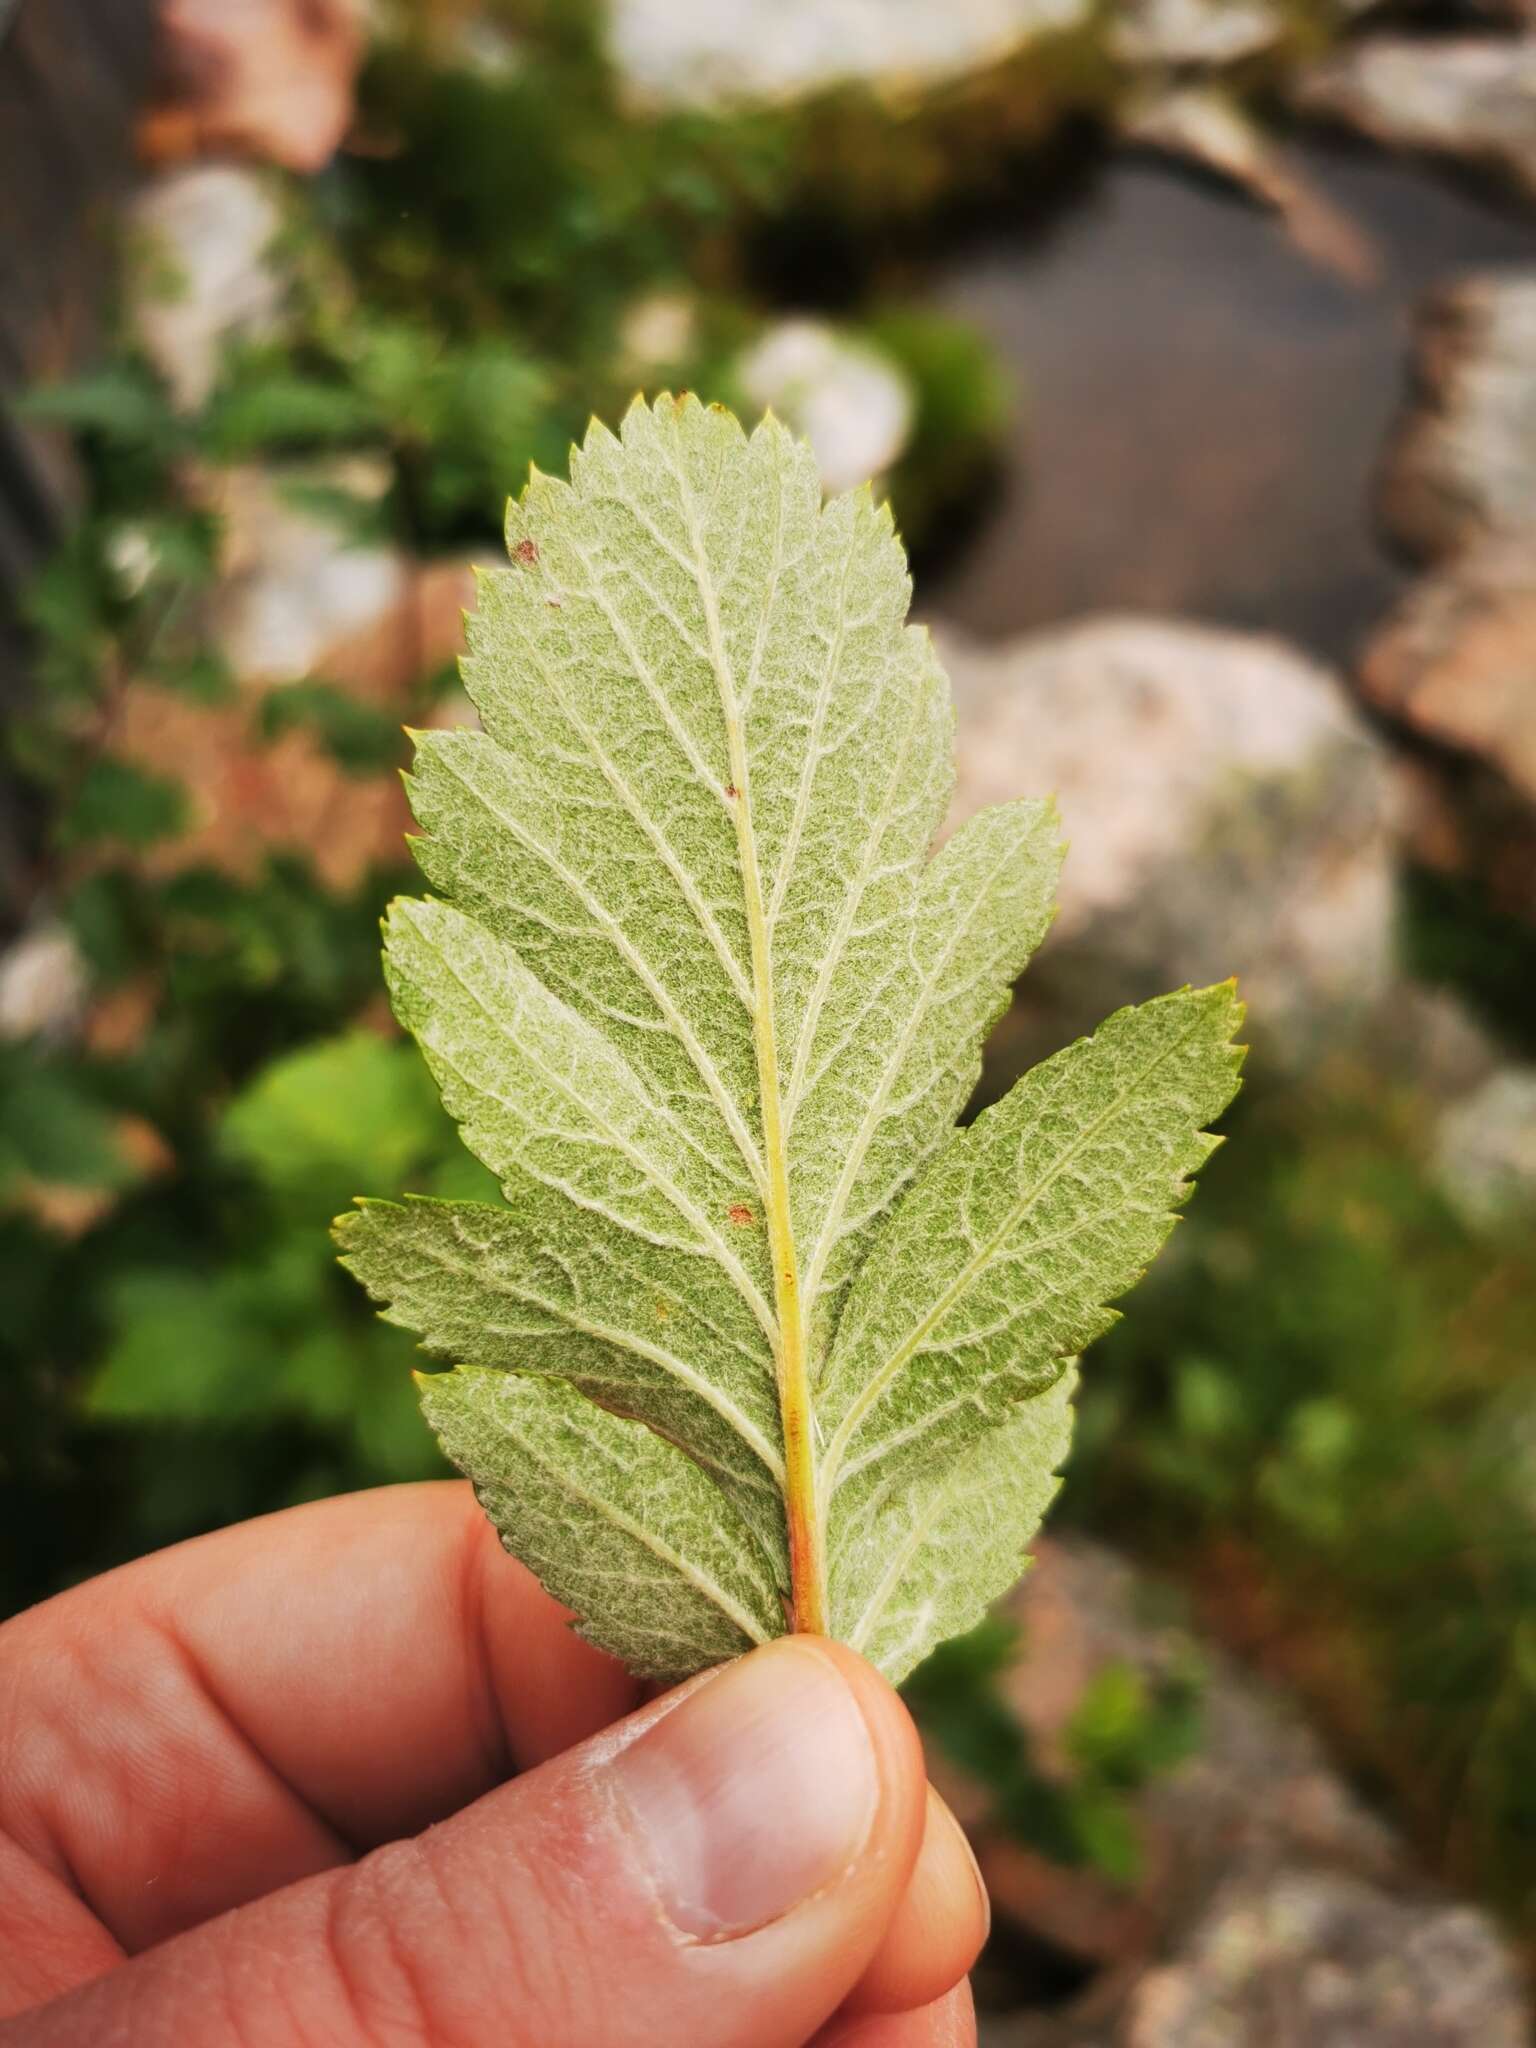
pixel 252 1796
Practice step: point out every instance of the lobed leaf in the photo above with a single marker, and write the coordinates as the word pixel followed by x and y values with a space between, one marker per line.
pixel 759 1340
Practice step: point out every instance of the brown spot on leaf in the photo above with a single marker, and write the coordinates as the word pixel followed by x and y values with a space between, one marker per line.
pixel 731 789
pixel 739 1213
pixel 526 551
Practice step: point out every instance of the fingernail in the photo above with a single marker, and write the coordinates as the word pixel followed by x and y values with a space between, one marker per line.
pixel 754 1793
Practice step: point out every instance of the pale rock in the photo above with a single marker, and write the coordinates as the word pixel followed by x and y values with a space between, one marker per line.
pixel 1194 33
pixel 848 399
pixel 1485 1150
pixel 1267 1887
pixel 199 273
pixel 42 984
pixel 1471 98
pixel 264 78
pixel 1346 1964
pixel 704 54
pixel 294 586
pixel 1226 813
pixel 1462 462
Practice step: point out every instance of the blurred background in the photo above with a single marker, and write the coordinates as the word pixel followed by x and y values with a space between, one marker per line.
pixel 1195 344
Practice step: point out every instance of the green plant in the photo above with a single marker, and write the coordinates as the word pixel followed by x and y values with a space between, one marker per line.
pixel 1321 1413
pixel 1125 1730
pixel 759 1339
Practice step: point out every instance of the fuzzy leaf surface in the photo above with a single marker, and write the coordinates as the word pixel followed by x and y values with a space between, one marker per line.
pixel 616 1523
pixel 701 998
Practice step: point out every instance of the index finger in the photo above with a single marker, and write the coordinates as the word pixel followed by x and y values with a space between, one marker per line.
pixel 237 1712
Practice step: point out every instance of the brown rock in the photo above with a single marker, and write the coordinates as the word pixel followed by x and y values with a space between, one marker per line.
pixel 1457 665
pixel 1462 464
pixel 298 599
pixel 1273 1909
pixel 262 78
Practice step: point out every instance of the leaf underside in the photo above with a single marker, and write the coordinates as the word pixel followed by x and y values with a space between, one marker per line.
pixel 760 1339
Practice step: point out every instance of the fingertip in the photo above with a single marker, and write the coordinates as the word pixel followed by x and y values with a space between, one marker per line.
pixel 949 2022
pixel 938 1927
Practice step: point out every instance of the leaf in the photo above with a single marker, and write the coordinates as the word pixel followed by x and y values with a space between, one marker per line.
pixel 614 1520
pixel 1001 1262
pixel 925 1561
pixel 698 996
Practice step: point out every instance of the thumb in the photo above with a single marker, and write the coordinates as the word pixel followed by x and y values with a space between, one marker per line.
pixel 718 1869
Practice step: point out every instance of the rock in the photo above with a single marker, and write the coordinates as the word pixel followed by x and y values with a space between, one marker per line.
pixel 1312 1959
pixel 700 53
pixel 849 400
pixel 1202 34
pixel 1268 1891
pixel 1485 1150
pixel 263 78
pixel 294 586
pixel 298 600
pixel 1456 665
pixel 1462 462
pixel 1207 126
pixel 199 273
pixel 1471 98
pixel 1226 813
pixel 42 984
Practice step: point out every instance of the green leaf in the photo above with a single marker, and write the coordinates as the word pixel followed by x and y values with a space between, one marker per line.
pixel 341 1109
pixel 359 737
pixel 118 802
pixel 594 1499
pixel 699 997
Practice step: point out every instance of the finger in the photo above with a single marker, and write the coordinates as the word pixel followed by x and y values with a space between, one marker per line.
pixel 49 1941
pixel 238 1712
pixel 948 2023
pixel 938 1927
pixel 718 1871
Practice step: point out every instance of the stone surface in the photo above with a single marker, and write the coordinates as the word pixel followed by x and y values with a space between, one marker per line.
pixel 298 599
pixel 1273 1908
pixel 293 584
pixel 850 401
pixel 42 983
pixel 1471 98
pixel 1462 462
pixel 1226 812
pixel 1485 1150
pixel 264 78
pixel 700 53
pixel 1203 33
pixel 198 274
pixel 1314 1959
pixel 1206 125
pixel 1456 665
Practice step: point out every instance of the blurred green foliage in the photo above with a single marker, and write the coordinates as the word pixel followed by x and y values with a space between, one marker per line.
pixel 1125 1730
pixel 1323 1410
